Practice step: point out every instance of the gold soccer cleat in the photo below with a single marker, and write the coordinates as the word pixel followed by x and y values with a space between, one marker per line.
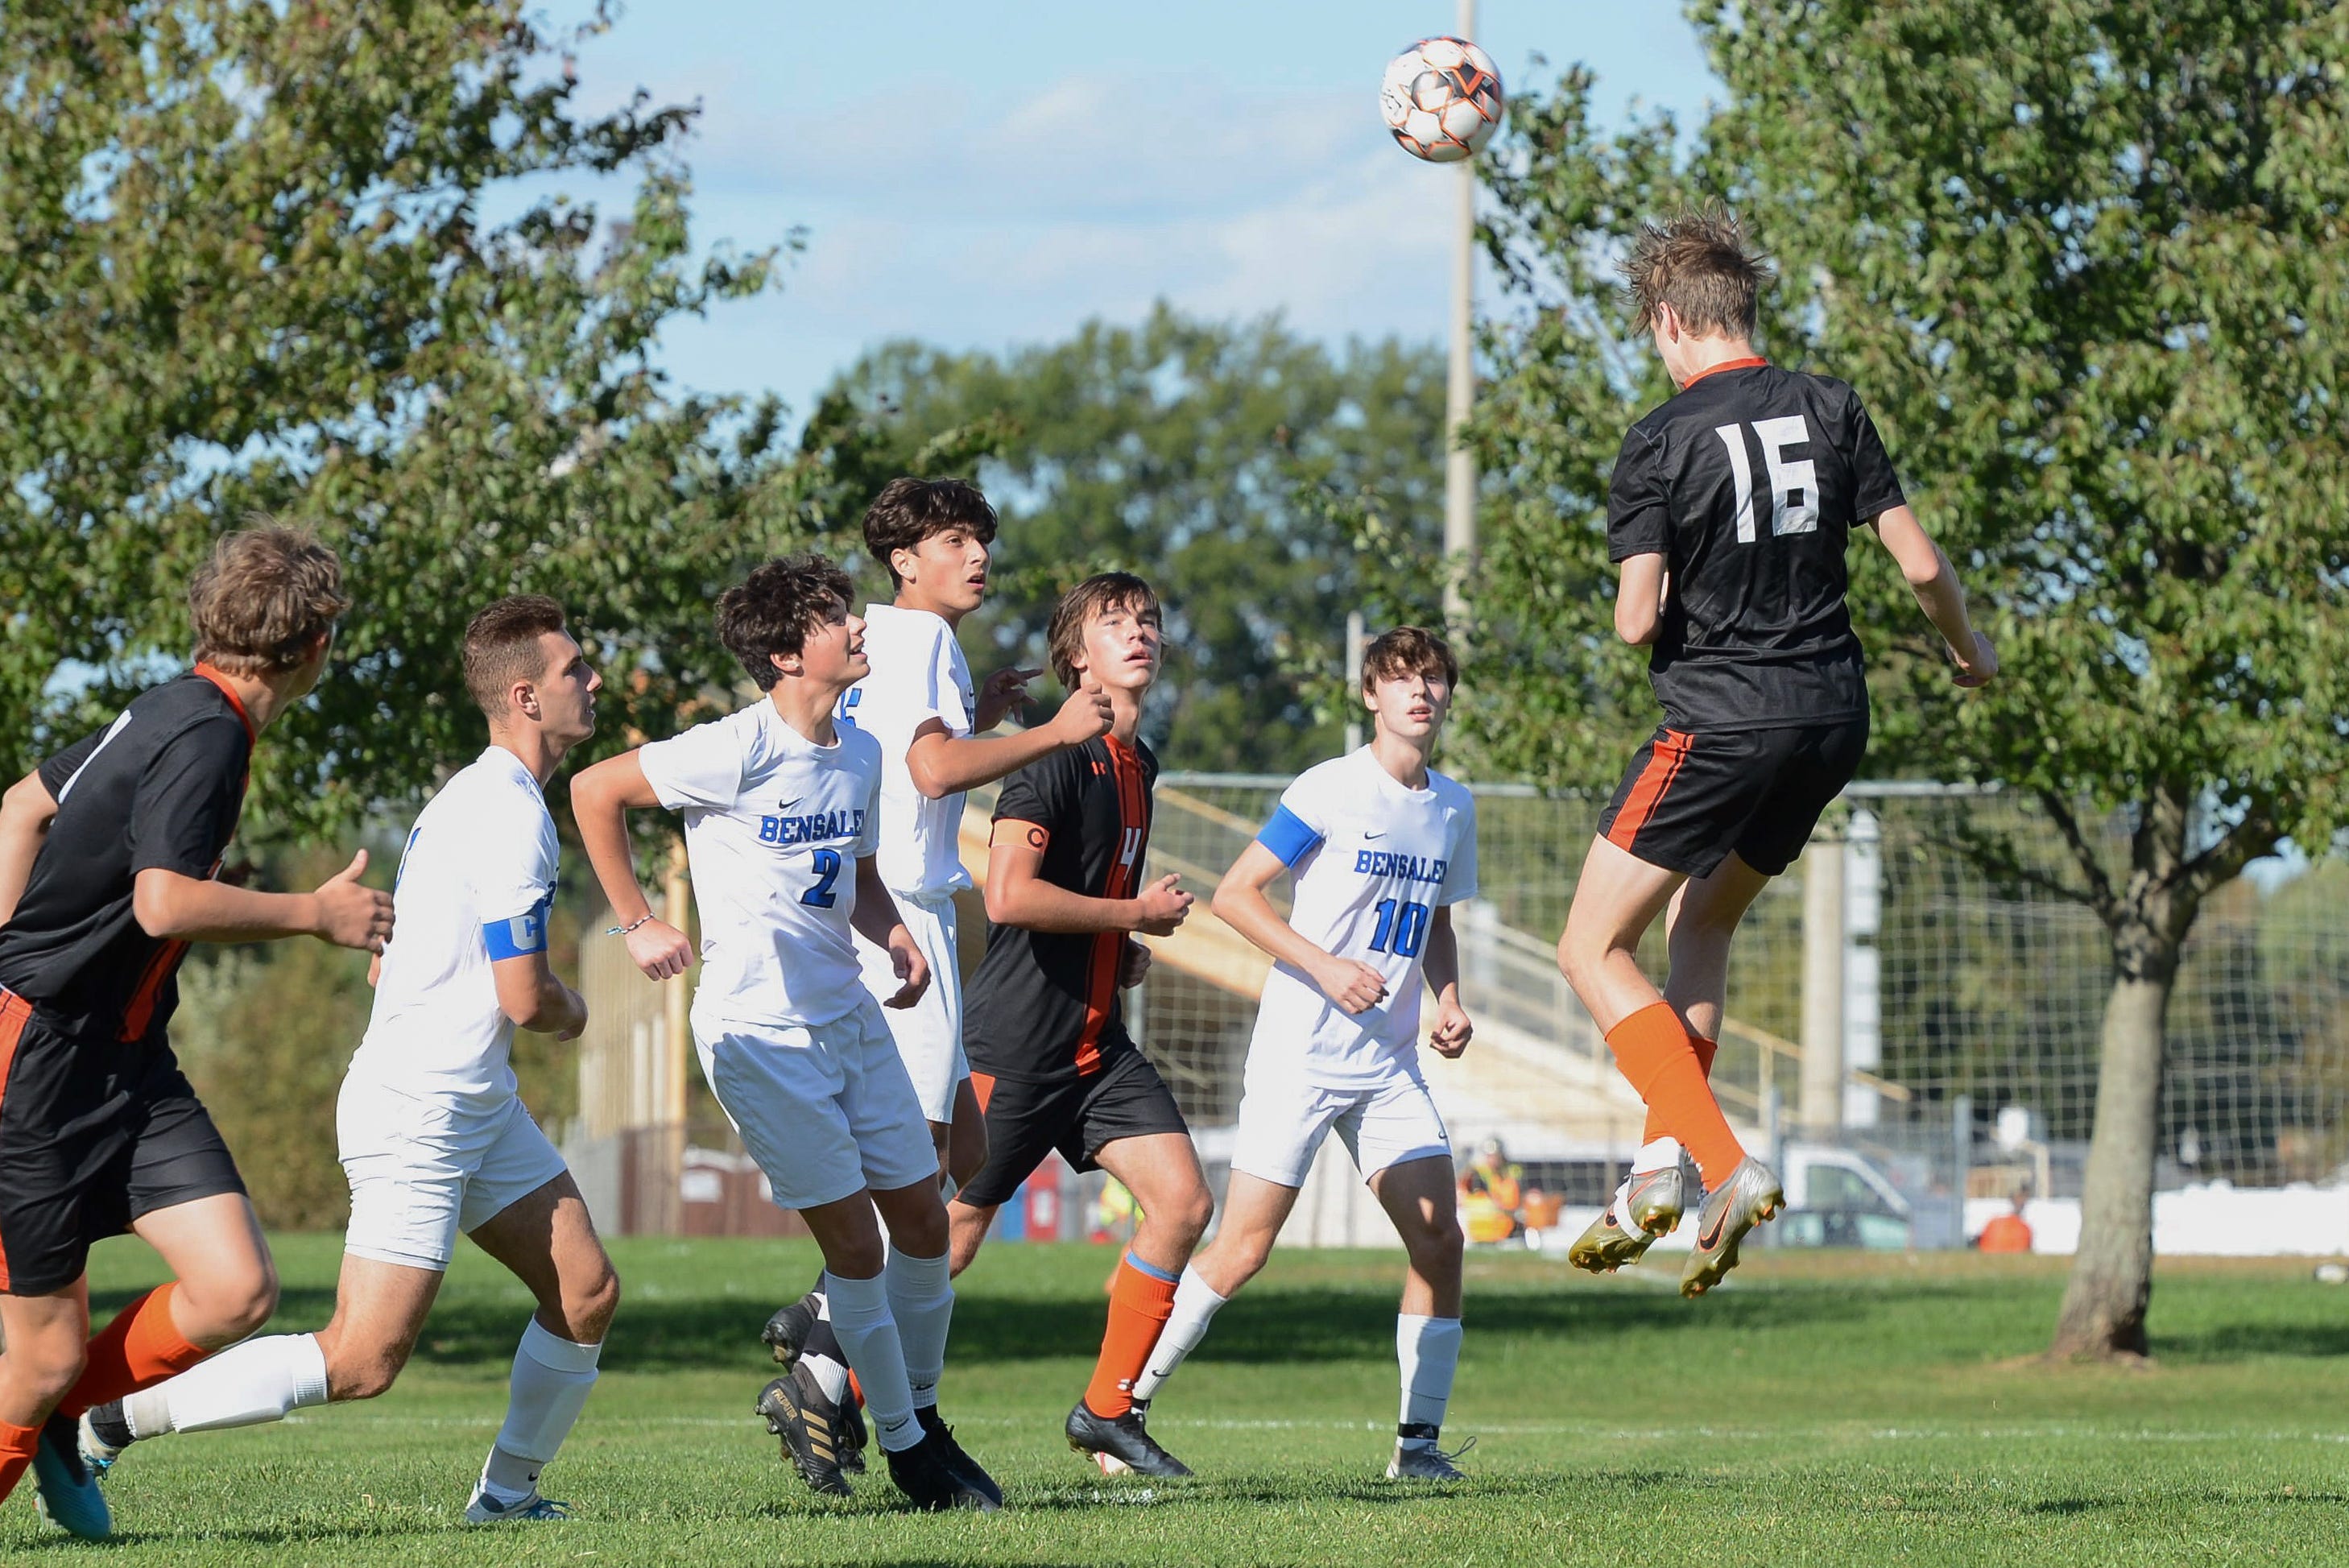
pixel 1749 1195
pixel 1654 1200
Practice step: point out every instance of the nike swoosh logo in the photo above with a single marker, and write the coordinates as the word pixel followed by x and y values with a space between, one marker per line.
pixel 1381 833
pixel 1707 1238
pixel 791 802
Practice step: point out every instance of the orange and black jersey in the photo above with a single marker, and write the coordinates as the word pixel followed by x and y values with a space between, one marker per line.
pixel 1044 1004
pixel 1749 483
pixel 162 786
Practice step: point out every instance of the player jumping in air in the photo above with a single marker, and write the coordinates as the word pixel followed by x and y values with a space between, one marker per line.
pixel 1049 1054
pixel 108 855
pixel 1729 510
pixel 434 1137
pixel 782 815
pixel 933 538
pixel 1380 846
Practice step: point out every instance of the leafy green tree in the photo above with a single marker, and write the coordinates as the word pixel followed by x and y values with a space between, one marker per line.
pixel 246 266
pixel 1192 452
pixel 2084 262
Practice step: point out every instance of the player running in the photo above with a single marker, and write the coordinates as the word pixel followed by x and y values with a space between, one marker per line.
pixel 933 538
pixel 781 815
pixel 1380 846
pixel 1728 511
pixel 434 1137
pixel 108 855
pixel 1051 1058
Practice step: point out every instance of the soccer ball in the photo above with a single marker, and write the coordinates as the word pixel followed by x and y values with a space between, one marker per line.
pixel 1441 99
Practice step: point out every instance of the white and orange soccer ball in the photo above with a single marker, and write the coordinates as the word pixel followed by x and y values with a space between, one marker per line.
pixel 1441 99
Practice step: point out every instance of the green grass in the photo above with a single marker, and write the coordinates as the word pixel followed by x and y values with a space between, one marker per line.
pixel 1823 1408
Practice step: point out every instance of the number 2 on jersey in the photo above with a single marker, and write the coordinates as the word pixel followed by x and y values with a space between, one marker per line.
pixel 827 872
pixel 1403 924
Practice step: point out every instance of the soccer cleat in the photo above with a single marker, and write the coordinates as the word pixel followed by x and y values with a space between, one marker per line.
pixel 957 1459
pixel 849 1436
pixel 1605 1246
pixel 1749 1195
pixel 1654 1200
pixel 787 1331
pixel 1417 1457
pixel 808 1423
pixel 1122 1445
pixel 484 1508
pixel 101 1437
pixel 65 1487
pixel 930 1481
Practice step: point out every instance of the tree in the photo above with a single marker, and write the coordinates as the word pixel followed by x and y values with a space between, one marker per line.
pixel 1189 451
pixel 246 267
pixel 2085 263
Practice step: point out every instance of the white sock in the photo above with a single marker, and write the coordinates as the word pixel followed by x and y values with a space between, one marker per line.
pixel 1429 1351
pixel 921 1298
pixel 1659 1153
pixel 1196 1302
pixel 861 1320
pixel 551 1375
pixel 260 1380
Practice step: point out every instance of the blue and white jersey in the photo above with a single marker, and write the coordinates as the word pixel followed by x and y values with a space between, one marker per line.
pixel 774 825
pixel 475 883
pixel 1371 861
pixel 919 674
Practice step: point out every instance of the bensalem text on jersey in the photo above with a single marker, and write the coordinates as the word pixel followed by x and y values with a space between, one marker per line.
pixel 474 886
pixel 774 825
pixel 1373 860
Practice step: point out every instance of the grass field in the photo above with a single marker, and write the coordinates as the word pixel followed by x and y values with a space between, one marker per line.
pixel 1823 1409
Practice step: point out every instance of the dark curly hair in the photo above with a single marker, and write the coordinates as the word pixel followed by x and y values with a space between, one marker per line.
pixel 908 511
pixel 773 610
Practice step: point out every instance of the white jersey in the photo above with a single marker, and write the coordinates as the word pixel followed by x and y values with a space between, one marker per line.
pixel 774 825
pixel 919 674
pixel 474 886
pixel 1372 861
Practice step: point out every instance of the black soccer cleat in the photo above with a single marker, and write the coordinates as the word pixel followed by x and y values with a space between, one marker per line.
pixel 786 1334
pixel 850 1437
pixel 797 1412
pixel 1121 1445
pixel 957 1461
pixel 931 1483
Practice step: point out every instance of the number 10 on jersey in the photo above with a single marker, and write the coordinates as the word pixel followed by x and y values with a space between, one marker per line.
pixel 1403 925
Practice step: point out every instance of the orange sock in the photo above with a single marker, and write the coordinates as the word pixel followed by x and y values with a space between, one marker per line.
pixel 1705 1050
pixel 855 1389
pixel 1140 1300
pixel 1655 1051
pixel 137 1350
pixel 16 1446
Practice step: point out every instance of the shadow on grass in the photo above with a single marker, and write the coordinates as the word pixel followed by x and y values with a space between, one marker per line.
pixel 2233 1340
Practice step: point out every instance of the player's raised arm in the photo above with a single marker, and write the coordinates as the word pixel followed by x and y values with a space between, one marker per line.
pixel 941 765
pixel 601 799
pixel 1934 580
pixel 1239 902
pixel 1018 895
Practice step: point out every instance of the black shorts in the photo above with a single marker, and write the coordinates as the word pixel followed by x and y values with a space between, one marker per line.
pixel 1687 800
pixel 1078 1116
pixel 94 1134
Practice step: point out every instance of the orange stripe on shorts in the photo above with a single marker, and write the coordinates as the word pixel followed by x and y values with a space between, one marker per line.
pixel 1664 765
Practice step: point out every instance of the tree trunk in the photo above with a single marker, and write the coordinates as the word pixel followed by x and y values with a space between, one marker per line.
pixel 2112 1274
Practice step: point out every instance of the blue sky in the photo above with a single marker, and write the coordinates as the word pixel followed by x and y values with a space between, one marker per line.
pixel 979 175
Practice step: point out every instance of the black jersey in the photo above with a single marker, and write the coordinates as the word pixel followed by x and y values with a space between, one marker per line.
pixel 161 786
pixel 1045 1004
pixel 1748 483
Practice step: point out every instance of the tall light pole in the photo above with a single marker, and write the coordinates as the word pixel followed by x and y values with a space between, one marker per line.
pixel 1460 388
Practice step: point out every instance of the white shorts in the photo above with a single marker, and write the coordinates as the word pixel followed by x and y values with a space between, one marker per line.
pixel 929 1033
pixel 425 1171
pixel 826 1112
pixel 1284 1119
